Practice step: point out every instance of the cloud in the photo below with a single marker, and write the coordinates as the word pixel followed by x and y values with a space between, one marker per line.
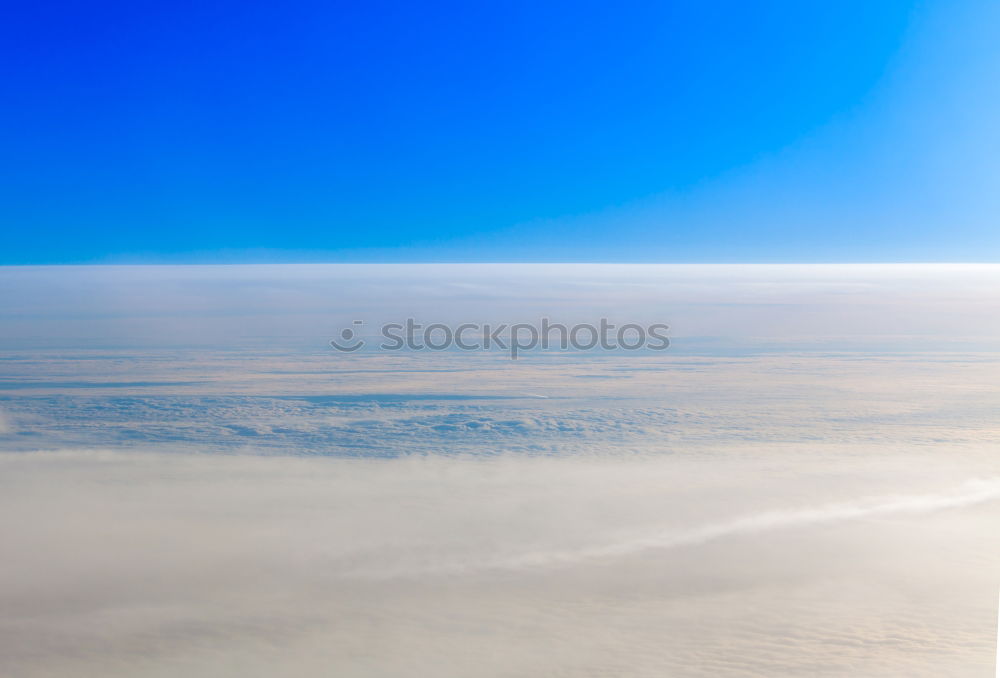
pixel 286 511
pixel 971 493
pixel 293 306
pixel 139 564
pixel 381 405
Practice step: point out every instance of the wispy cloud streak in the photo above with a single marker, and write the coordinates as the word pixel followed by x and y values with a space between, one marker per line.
pixel 971 493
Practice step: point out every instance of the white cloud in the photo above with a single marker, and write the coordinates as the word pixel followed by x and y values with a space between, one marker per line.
pixel 733 513
pixel 135 564
pixel 306 305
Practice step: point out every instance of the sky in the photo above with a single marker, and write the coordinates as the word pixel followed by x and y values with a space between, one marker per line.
pixel 194 482
pixel 355 132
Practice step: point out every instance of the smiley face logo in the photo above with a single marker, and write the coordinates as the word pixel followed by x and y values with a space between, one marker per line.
pixel 347 336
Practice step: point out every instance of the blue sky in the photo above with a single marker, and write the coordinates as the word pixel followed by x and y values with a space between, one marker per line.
pixel 674 132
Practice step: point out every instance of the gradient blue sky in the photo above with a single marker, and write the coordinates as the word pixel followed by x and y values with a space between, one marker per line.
pixel 380 131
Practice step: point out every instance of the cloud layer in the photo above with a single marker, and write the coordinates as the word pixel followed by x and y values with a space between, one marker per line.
pixel 140 564
pixel 192 483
